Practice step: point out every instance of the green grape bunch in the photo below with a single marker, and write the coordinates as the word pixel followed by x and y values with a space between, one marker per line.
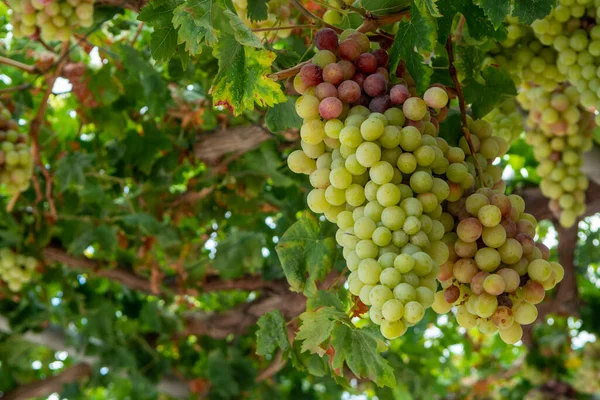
pixel 279 15
pixel 506 121
pixel 16 161
pixel 16 269
pixel 51 19
pixel 559 131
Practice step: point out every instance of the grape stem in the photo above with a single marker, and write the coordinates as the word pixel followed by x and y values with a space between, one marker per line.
pixel 34 131
pixel 24 67
pixel 372 22
pixel 463 108
pixel 280 28
pixel 359 10
pixel 311 16
pixel 286 73
pixel 137 33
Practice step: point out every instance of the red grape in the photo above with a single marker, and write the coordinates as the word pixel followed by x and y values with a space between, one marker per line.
pixel 363 100
pixel 326 39
pixel 362 40
pixel 359 78
pixel 311 74
pixel 383 72
pixel 380 104
pixel 399 94
pixel 366 63
pixel 382 57
pixel 375 85
pixel 324 90
pixel 349 49
pixel 330 108
pixel 333 73
pixel 348 69
pixel 349 91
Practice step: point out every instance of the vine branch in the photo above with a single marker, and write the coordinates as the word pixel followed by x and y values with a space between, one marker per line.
pixel 19 65
pixel 53 384
pixel 463 108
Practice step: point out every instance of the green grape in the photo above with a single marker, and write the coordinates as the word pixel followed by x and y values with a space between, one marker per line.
pixel 405 293
pixel 413 312
pixel 369 271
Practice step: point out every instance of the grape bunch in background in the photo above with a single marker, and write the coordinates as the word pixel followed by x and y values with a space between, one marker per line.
pixel 279 14
pixel 506 121
pixel 51 19
pixel 16 269
pixel 572 29
pixel 559 131
pixel 16 162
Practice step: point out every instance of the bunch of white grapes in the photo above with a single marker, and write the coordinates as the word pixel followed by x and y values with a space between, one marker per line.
pixel 16 161
pixel 528 61
pixel 559 132
pixel 586 378
pixel 381 173
pixel 572 29
pixel 506 121
pixel 279 14
pixel 16 269
pixel 52 19
pixel 495 273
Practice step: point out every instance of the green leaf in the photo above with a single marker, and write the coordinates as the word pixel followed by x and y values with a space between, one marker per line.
pixel 480 27
pixel 70 170
pixel 414 37
pixel 360 350
pixel 317 327
pixel 306 256
pixel 382 7
pixel 283 116
pixel 324 298
pixel 428 7
pixel 483 97
pixel 469 61
pixel 257 10
pixel 267 162
pixel 194 19
pixel 241 32
pixel 240 252
pixel 271 333
pixel 528 11
pixel 163 41
pixel 496 10
pixel 241 80
pixel 145 223
pixel 222 375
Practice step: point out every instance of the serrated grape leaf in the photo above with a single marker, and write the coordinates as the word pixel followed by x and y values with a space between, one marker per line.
pixel 163 40
pixel 305 254
pixel 257 10
pixel 498 86
pixel 469 60
pixel 241 32
pixel 240 252
pixel 528 11
pixel 283 116
pixel 360 350
pixel 242 78
pixel 317 326
pixel 324 298
pixel 496 10
pixel 271 333
pixel 194 19
pixel 414 37
pixel 429 7
pixel 70 170
pixel 480 27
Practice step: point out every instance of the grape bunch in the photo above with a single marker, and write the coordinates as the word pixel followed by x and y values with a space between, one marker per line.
pixel 586 378
pixel 506 121
pixel 559 132
pixel 16 162
pixel 528 61
pixel 52 19
pixel 16 269
pixel 279 14
pixel 572 29
pixel 380 172
pixel 496 273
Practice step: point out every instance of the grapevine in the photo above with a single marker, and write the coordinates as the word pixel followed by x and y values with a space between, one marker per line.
pixel 16 162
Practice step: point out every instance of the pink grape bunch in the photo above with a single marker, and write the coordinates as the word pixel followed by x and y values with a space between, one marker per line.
pixel 380 172
pixel 559 132
pixel 51 19
pixel 16 161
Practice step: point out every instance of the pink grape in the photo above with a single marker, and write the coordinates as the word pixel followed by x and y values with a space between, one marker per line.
pixel 366 62
pixel 399 94
pixel 326 39
pixel 375 85
pixel 349 49
pixel 330 108
pixel 324 90
pixel 333 73
pixel 347 68
pixel 349 91
pixel 382 57
pixel 311 74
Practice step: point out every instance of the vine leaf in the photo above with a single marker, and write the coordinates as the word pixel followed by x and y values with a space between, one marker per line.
pixel 412 39
pixel 242 33
pixel 480 27
pixel 271 334
pixel 163 40
pixel 241 80
pixel 498 86
pixel 306 254
pixel 240 252
pixel 496 10
pixel 360 349
pixel 283 116
pixel 194 18
pixel 528 11
pixel 257 10
pixel 429 7
pixel 317 327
